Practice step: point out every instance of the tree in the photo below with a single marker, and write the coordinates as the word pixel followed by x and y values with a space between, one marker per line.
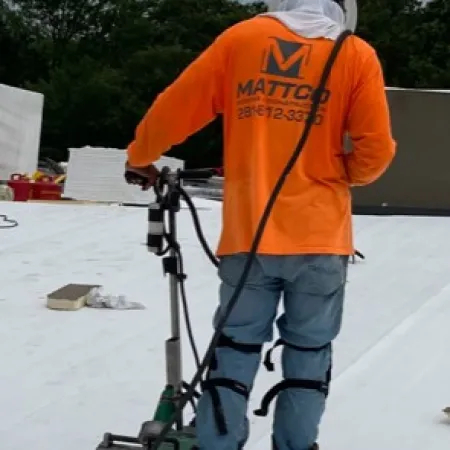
pixel 431 41
pixel 101 63
pixel 20 60
pixel 85 104
pixel 390 27
pixel 104 61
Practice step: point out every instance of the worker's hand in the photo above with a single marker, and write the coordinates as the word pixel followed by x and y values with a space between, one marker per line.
pixel 145 177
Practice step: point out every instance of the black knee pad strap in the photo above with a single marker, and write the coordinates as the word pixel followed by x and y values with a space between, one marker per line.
pixel 268 358
pixel 320 386
pixel 211 384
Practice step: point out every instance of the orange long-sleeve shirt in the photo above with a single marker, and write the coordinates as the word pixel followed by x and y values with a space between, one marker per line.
pixel 261 76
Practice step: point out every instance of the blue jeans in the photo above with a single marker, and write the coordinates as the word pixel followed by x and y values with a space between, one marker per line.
pixel 312 288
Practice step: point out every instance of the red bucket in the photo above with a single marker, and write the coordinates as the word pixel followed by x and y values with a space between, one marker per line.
pixel 21 187
pixel 46 189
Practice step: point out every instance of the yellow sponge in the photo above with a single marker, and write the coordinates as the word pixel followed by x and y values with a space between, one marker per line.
pixel 70 297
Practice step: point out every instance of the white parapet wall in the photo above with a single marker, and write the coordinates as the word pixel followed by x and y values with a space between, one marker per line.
pixel 20 130
pixel 97 174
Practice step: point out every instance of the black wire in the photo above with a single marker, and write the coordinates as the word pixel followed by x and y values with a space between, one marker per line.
pixel 254 247
pixel 185 305
pixel 208 252
pixel 174 245
pixel 198 226
pixel 358 254
pixel 11 222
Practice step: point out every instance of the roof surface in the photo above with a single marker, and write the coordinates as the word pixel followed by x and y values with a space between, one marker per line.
pixel 68 377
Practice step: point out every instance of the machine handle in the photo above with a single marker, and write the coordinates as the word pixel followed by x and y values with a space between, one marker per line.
pixel 135 178
pixel 196 174
pixel 190 174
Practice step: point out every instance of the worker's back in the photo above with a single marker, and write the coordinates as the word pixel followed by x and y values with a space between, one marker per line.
pixel 261 74
pixel 268 78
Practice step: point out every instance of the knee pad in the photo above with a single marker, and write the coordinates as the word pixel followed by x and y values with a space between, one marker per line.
pixel 211 384
pixel 321 386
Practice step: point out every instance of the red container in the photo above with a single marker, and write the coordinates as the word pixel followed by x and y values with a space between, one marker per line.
pixel 46 189
pixel 21 187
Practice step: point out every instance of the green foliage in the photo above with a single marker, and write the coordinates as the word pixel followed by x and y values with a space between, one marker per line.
pixel 412 40
pixel 100 63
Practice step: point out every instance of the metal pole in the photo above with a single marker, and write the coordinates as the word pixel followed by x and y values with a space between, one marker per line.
pixel 173 345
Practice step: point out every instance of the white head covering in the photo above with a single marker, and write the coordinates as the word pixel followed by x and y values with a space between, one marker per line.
pixel 310 18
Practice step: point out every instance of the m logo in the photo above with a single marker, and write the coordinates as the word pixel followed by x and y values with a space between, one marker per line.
pixel 285 58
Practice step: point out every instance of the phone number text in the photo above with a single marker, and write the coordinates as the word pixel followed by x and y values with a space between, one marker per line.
pixel 297 115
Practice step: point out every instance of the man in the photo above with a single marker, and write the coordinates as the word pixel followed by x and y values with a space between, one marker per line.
pixel 260 74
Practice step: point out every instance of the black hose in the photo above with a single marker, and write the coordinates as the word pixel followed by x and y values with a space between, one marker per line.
pixel 198 228
pixel 256 241
pixel 187 318
pixel 10 223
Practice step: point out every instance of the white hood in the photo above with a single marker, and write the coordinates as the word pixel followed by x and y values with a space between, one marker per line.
pixel 310 18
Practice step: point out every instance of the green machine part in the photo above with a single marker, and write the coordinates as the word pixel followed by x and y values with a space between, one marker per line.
pixel 184 439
